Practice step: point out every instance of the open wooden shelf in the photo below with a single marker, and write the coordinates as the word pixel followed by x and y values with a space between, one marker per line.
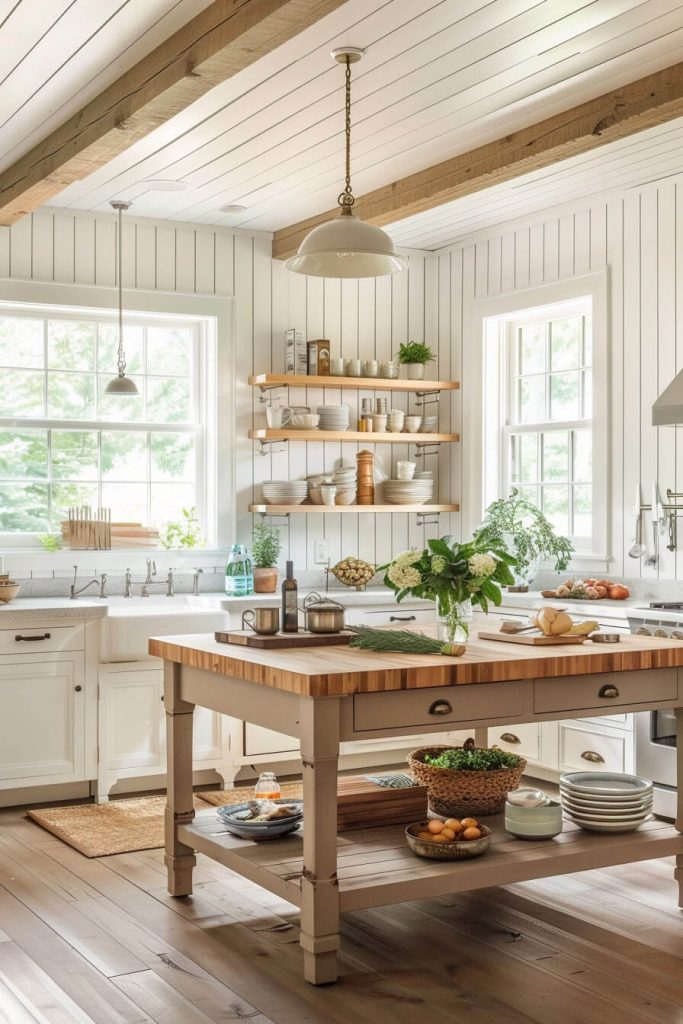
pixel 376 868
pixel 274 380
pixel 350 435
pixel 281 510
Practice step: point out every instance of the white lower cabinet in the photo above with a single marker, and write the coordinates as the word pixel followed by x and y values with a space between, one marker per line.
pixel 42 719
pixel 132 728
pixel 589 746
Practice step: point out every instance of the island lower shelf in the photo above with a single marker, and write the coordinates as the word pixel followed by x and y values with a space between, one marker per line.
pixel 376 868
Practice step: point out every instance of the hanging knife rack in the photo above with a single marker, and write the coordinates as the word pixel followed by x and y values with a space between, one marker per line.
pixel 672 508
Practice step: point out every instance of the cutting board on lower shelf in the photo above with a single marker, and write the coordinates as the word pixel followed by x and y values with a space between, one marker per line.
pixel 532 640
pixel 245 638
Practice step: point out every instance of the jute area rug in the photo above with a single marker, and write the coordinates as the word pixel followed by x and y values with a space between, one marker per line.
pixel 126 826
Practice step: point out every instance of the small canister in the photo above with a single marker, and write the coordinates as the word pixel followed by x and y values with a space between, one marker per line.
pixel 323 615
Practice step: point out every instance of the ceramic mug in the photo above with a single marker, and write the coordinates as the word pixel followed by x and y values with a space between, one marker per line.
pixel 328 493
pixel 277 417
pixel 337 367
pixel 353 367
pixel 391 370
pixel 405 470
pixel 371 368
pixel 379 423
pixel 413 424
pixel 264 621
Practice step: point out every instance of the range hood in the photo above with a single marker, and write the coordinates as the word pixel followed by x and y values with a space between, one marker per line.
pixel 669 406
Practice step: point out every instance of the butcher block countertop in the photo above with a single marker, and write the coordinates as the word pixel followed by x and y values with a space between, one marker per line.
pixel 338 671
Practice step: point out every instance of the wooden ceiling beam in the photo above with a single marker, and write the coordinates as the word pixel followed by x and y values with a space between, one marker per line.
pixel 632 108
pixel 225 38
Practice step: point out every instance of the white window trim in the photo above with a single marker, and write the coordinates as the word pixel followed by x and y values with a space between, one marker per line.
pixel 216 317
pixel 483 382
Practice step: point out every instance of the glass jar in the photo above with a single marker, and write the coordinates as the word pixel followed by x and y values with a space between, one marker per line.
pixel 453 624
pixel 267 787
pixel 239 573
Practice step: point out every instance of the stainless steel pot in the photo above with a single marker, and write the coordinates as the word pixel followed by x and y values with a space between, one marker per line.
pixel 323 615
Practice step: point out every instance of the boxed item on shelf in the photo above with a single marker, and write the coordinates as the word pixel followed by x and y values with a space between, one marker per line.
pixel 295 352
pixel 319 358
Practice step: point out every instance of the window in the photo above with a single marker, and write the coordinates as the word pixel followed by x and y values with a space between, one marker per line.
pixel 64 442
pixel 548 432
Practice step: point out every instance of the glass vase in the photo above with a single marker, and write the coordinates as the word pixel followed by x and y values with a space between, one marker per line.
pixel 453 625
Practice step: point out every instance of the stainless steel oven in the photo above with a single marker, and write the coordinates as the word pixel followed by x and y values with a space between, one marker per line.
pixel 656 730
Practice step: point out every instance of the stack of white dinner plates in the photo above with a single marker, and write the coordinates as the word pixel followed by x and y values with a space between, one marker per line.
pixel 606 801
pixel 284 492
pixel 333 417
pixel 408 492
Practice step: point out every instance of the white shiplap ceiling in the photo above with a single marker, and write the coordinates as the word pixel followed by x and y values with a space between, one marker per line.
pixel 439 77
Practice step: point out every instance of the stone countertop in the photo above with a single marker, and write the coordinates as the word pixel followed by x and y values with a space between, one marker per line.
pixel 37 609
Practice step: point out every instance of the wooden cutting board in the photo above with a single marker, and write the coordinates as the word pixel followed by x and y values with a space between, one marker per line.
pixel 532 640
pixel 246 638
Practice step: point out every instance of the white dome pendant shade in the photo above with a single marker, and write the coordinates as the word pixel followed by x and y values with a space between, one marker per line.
pixel 120 384
pixel 346 246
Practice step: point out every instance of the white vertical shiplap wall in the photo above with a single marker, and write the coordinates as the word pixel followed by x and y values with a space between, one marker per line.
pixel 639 238
pixel 367 319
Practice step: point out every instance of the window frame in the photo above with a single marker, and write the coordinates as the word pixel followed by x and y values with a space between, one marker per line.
pixel 484 383
pixel 211 319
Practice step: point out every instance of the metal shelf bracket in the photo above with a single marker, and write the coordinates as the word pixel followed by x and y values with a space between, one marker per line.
pixel 272 445
pixel 423 398
pixel 423 450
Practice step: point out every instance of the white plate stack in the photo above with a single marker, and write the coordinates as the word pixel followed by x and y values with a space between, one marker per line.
pixel 333 417
pixel 606 801
pixel 408 492
pixel 284 492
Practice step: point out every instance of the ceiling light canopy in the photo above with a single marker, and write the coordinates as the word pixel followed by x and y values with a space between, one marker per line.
pixel 346 246
pixel 121 384
pixel 165 184
pixel 233 208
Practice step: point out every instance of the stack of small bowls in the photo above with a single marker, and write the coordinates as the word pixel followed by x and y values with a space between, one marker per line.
pixel 345 477
pixel 408 492
pixel 606 801
pixel 284 492
pixel 531 814
pixel 429 425
pixel 314 485
pixel 304 421
pixel 237 820
pixel 333 417
pixel 8 589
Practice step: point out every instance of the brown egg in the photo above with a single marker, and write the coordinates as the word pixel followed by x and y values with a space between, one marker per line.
pixel 469 823
pixel 453 824
pixel 471 833
pixel 425 836
pixel 449 834
pixel 435 826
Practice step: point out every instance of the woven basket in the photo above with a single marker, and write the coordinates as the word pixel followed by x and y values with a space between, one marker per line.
pixel 455 793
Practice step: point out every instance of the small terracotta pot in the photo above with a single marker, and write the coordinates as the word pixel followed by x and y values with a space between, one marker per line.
pixel 265 581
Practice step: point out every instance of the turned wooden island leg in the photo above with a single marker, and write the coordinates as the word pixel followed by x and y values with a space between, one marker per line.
pixel 180 859
pixel 678 873
pixel 319 886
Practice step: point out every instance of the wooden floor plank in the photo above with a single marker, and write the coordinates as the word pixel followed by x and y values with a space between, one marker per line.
pixel 39 992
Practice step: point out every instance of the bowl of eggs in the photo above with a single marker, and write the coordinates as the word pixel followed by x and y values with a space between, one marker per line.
pixel 452 839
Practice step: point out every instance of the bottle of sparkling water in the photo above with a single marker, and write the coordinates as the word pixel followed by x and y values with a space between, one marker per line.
pixel 239 574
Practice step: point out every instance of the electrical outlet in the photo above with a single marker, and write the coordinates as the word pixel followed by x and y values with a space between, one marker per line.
pixel 321 551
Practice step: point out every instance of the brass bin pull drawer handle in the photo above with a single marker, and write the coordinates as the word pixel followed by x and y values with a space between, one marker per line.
pixel 402 618
pixel 78 688
pixel 44 636
pixel 608 691
pixel 590 755
pixel 440 707
pixel 509 737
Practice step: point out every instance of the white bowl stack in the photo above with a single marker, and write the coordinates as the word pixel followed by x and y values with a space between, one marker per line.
pixel 345 478
pixel 333 417
pixel 606 801
pixel 284 492
pixel 429 425
pixel 408 492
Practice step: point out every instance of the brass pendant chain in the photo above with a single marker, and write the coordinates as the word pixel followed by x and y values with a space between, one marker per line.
pixel 345 198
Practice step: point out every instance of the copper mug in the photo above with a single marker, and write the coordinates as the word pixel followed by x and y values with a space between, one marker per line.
pixel 264 621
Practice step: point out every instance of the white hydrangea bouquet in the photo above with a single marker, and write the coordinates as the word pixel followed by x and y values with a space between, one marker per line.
pixel 455 576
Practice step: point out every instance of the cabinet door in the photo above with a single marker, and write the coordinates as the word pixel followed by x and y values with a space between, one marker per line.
pixel 42 719
pixel 259 740
pixel 133 720
pixel 207 736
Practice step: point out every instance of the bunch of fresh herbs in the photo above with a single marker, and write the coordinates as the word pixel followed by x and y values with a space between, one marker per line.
pixel 483 760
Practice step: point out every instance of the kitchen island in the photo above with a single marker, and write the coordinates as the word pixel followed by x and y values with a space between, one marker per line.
pixel 327 695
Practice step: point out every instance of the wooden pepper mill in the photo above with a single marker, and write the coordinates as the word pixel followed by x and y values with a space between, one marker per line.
pixel 366 478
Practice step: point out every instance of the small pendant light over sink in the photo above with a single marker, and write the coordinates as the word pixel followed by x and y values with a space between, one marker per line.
pixel 120 385
pixel 346 246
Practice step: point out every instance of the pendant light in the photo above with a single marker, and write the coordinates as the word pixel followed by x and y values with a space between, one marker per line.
pixel 346 246
pixel 121 384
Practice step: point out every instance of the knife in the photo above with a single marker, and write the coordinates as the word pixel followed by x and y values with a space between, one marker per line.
pixel 653 559
pixel 637 550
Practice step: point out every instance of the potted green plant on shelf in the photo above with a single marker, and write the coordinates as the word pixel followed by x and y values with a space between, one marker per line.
pixel 523 531
pixel 455 576
pixel 415 354
pixel 265 549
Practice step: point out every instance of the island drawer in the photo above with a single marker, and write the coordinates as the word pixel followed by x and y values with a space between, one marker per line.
pixel 610 690
pixel 436 705
pixel 41 639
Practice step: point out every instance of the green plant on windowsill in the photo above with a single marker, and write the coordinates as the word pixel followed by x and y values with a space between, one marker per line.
pixel 50 541
pixel 184 533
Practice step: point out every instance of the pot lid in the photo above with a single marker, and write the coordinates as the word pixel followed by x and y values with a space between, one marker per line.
pixel 321 604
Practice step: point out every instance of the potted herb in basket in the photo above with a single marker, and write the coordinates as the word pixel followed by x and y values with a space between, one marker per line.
pixel 467 779
pixel 521 528
pixel 415 354
pixel 265 548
